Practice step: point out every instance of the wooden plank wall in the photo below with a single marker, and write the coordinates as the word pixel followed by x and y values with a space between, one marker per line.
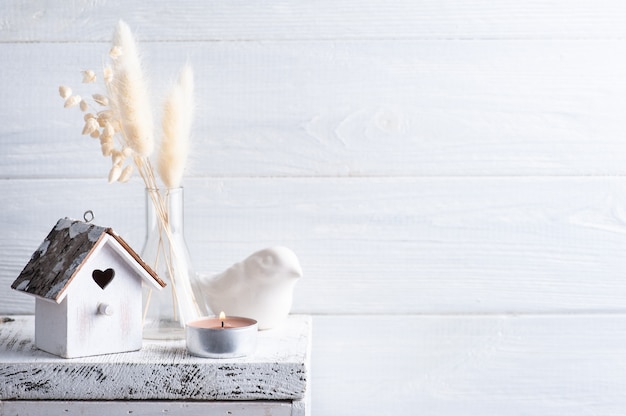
pixel 451 175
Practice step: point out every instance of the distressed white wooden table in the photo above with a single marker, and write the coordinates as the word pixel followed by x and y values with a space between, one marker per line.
pixel 160 378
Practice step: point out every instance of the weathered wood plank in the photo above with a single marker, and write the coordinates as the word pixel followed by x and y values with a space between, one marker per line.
pixel 145 408
pixel 444 365
pixel 479 365
pixel 278 370
pixel 370 108
pixel 45 20
pixel 372 245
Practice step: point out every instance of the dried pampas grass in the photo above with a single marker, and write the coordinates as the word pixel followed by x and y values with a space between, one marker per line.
pixel 128 94
pixel 177 120
pixel 65 92
pixel 122 121
pixel 122 118
pixel 72 101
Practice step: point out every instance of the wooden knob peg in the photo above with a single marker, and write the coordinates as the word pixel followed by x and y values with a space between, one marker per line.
pixel 105 309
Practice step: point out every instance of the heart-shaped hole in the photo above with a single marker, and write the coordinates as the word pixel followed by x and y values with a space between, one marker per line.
pixel 103 278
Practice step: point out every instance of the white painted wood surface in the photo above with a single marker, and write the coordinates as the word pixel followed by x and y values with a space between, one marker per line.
pixel 363 108
pixel 470 365
pixel 455 168
pixel 161 370
pixel 422 245
pixel 147 408
pixel 241 20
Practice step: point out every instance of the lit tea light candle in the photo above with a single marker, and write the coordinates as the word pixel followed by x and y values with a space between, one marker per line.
pixel 221 337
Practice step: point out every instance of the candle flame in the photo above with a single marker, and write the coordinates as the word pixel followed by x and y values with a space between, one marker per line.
pixel 222 315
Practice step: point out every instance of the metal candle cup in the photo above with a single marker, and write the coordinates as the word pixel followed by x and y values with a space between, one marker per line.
pixel 207 337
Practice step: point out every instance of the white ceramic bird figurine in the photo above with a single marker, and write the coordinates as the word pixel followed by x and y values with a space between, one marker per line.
pixel 259 287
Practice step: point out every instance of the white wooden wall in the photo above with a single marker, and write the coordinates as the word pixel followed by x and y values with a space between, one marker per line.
pixel 450 173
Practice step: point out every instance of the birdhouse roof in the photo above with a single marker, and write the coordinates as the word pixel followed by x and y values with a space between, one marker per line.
pixel 60 256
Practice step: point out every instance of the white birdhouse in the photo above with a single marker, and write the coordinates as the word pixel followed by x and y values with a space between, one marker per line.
pixel 87 283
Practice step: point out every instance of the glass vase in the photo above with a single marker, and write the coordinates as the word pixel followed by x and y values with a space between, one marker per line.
pixel 166 311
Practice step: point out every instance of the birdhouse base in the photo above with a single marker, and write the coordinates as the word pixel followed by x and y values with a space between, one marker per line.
pixel 161 377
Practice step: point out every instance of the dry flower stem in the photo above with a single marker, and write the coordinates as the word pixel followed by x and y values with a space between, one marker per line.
pixel 125 131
